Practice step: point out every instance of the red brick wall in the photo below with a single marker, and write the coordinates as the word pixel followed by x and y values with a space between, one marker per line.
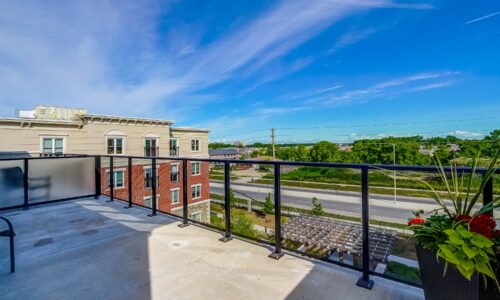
pixel 163 189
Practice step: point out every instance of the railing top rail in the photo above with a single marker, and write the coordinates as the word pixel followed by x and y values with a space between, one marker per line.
pixel 431 169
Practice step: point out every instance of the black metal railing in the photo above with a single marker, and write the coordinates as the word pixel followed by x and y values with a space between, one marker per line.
pixel 277 242
pixel 151 151
pixel 174 151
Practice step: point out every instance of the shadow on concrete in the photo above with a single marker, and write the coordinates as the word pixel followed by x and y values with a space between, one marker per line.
pixel 79 250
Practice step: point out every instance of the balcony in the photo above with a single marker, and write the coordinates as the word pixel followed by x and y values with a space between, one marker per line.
pixel 93 249
pixel 101 241
pixel 151 151
pixel 174 151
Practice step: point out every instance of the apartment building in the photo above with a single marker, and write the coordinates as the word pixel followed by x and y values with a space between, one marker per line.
pixel 52 130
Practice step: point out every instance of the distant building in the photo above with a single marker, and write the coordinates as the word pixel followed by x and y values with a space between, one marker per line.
pixel 345 147
pixel 46 131
pixel 454 147
pixel 225 153
pixel 239 143
pixel 427 151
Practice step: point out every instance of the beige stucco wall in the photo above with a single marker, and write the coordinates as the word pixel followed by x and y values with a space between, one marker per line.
pixel 185 138
pixel 91 138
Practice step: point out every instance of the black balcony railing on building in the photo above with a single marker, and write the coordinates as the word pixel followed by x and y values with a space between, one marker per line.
pixel 174 151
pixel 151 151
pixel 20 188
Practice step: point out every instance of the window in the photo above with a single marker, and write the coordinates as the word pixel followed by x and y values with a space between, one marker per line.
pixel 53 145
pixel 196 216
pixel 151 147
pixel 195 145
pixel 115 145
pixel 196 191
pixel 148 177
pixel 195 168
pixel 148 201
pixel 118 179
pixel 174 172
pixel 174 196
pixel 174 147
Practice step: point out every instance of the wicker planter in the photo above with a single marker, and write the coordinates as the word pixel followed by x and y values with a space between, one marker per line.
pixel 453 285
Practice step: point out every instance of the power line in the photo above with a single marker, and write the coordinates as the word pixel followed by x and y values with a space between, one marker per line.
pixel 391 124
pixel 365 125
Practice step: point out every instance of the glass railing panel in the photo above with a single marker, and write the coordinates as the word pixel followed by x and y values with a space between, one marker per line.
pixel 60 178
pixel 11 183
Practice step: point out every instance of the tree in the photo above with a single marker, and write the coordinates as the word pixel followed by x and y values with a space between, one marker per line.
pixel 254 154
pixel 323 151
pixel 317 207
pixel 268 204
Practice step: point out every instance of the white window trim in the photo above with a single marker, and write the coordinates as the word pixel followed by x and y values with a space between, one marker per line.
pixel 157 198
pixel 191 144
pixel 53 137
pixel 199 212
pixel 199 168
pixel 157 138
pixel 178 196
pixel 178 171
pixel 157 175
pixel 124 143
pixel 116 170
pixel 194 185
pixel 177 142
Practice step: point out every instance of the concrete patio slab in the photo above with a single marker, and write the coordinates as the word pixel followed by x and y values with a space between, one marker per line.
pixel 90 249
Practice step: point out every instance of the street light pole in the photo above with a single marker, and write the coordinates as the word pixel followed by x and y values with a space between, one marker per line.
pixel 394 174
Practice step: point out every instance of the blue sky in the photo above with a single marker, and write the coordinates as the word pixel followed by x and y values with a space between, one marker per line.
pixel 314 70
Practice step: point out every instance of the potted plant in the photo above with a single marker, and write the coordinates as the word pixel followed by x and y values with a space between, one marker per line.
pixel 457 245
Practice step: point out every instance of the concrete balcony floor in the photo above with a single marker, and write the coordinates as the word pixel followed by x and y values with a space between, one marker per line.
pixel 92 249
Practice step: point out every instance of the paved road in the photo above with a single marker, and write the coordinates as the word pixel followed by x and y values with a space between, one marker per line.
pixel 341 202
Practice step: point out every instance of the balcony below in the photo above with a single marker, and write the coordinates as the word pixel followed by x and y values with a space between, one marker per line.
pixel 92 249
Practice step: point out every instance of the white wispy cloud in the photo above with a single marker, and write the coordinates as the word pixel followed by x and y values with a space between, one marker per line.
pixel 105 55
pixel 351 37
pixel 396 86
pixel 483 17
pixel 466 134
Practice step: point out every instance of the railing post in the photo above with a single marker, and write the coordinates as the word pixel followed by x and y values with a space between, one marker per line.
pixel 153 186
pixel 488 191
pixel 227 203
pixel 129 175
pixel 277 213
pixel 184 195
pixel 111 180
pixel 26 183
pixel 97 177
pixel 365 281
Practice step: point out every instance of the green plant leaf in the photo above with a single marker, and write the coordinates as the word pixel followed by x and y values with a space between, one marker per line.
pixel 467 265
pixel 467 273
pixel 485 269
pixel 487 242
pixel 470 252
pixel 464 232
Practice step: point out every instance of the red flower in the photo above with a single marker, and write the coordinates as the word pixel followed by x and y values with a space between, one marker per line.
pixel 483 224
pixel 416 220
pixel 464 218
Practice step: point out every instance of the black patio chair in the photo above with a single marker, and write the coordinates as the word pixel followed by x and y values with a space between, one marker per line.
pixel 10 234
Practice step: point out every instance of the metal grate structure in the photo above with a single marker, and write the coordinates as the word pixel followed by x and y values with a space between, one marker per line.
pixel 341 236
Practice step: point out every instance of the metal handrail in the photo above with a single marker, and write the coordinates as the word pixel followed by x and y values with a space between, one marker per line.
pixel 277 253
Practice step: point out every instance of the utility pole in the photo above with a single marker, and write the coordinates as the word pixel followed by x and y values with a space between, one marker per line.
pixel 272 138
pixel 394 174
